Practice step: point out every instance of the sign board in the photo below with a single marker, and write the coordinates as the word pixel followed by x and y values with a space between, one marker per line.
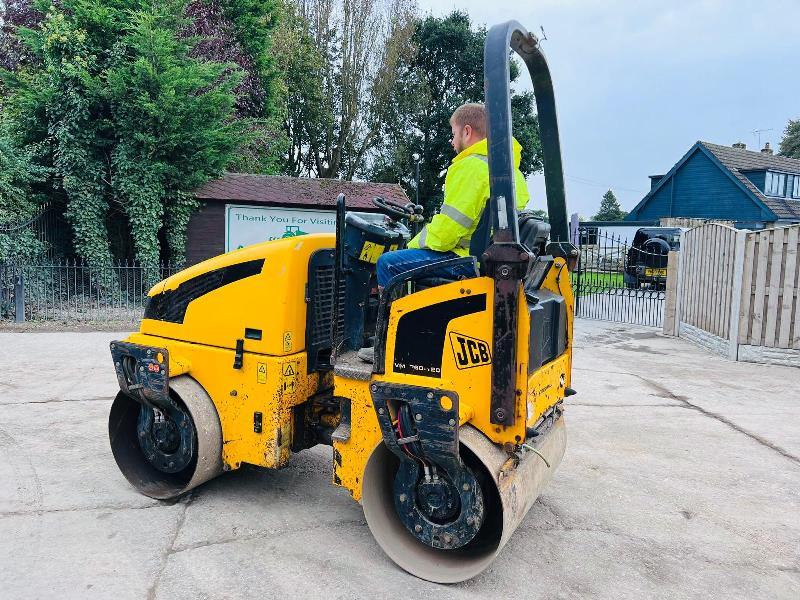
pixel 246 225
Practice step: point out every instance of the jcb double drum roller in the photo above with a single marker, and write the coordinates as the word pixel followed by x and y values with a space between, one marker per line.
pixel 448 437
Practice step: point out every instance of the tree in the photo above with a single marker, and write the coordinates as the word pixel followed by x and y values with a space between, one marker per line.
pixel 13 14
pixel 610 209
pixel 131 120
pixel 348 76
pixel 18 199
pixel 445 71
pixel 306 112
pixel 790 144
pixel 243 32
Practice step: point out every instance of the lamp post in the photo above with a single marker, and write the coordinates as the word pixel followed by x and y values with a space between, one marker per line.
pixel 416 158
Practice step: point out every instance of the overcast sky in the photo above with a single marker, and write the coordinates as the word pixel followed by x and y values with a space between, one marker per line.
pixel 637 82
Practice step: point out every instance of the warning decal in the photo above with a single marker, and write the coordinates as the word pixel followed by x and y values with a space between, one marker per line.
pixel 287 341
pixel 261 373
pixel 289 376
pixel 370 252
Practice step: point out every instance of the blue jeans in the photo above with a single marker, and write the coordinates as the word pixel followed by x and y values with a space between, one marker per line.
pixel 400 261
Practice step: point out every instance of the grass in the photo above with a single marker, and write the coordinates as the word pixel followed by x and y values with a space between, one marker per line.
pixel 595 281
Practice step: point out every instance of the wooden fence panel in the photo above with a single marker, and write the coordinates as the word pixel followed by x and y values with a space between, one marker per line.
pixel 761 267
pixel 745 321
pixel 742 286
pixel 774 278
pixel 770 313
pixel 730 262
pixel 789 287
pixel 707 279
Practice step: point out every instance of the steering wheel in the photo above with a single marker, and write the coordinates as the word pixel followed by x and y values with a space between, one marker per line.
pixel 395 209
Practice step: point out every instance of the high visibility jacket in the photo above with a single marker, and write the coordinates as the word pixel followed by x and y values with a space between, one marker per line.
pixel 466 190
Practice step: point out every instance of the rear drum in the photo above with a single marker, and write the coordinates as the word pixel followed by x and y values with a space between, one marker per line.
pixel 506 501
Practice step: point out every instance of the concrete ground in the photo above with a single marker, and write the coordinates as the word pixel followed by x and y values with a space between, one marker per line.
pixel 680 480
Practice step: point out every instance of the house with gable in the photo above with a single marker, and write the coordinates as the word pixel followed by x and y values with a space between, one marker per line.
pixel 729 183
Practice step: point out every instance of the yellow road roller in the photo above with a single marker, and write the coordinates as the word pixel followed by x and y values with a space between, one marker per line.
pixel 449 436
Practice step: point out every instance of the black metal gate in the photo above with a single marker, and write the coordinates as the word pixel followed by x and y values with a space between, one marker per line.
pixel 617 281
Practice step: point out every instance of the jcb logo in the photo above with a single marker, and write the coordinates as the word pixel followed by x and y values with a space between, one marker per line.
pixel 469 352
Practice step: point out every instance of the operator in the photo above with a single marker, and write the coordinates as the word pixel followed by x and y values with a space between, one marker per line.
pixel 466 190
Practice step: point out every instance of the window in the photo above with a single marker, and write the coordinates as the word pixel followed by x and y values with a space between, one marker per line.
pixel 796 187
pixel 775 184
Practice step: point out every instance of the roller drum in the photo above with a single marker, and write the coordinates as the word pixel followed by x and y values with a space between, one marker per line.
pixel 206 462
pixel 508 498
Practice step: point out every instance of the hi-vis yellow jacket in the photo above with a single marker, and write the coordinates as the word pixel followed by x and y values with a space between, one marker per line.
pixel 466 190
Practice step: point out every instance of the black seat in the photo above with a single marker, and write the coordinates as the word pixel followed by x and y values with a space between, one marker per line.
pixel 481 236
pixel 533 232
pixel 429 282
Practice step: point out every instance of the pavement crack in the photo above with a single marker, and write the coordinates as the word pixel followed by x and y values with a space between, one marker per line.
pixel 39 512
pixel 753 436
pixel 170 549
pixel 267 533
pixel 662 549
pixel 659 405
pixel 55 401
pixel 666 393
pixel 553 511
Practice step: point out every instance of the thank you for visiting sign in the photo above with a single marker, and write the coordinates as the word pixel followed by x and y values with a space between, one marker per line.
pixel 246 225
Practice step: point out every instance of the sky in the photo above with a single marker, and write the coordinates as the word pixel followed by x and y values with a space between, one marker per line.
pixel 637 82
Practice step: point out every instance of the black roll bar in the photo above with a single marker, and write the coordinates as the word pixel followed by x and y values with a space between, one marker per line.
pixel 501 156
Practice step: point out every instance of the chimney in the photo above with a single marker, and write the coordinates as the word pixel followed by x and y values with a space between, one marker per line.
pixel 740 145
pixel 766 149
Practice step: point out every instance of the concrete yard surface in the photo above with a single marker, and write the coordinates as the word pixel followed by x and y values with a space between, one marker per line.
pixel 681 480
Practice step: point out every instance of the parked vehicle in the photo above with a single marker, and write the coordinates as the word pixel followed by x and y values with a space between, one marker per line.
pixel 647 257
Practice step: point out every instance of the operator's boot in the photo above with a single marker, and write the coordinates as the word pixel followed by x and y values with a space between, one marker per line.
pixel 367 354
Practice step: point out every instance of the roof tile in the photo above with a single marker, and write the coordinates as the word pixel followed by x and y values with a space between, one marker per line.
pixel 309 192
pixel 738 160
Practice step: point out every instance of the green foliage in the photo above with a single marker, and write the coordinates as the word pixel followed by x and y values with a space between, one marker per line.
pixel 19 201
pixel 173 127
pixel 306 112
pixel 445 71
pixel 252 20
pixel 341 60
pixel 790 144
pixel 610 209
pixel 18 174
pixel 128 118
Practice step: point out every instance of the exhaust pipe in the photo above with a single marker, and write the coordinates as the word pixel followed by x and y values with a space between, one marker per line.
pixel 508 495
pixel 206 461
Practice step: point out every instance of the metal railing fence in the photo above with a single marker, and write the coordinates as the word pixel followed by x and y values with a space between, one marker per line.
pixel 71 291
pixel 618 281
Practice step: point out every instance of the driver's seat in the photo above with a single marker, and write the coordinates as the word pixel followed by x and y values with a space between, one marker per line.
pixel 428 282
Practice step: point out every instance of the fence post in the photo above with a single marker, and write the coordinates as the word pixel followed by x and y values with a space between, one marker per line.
pixel 680 284
pixel 578 277
pixel 19 299
pixel 671 294
pixel 736 294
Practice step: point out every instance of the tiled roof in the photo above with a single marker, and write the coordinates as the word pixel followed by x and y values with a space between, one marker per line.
pixel 738 160
pixel 309 192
